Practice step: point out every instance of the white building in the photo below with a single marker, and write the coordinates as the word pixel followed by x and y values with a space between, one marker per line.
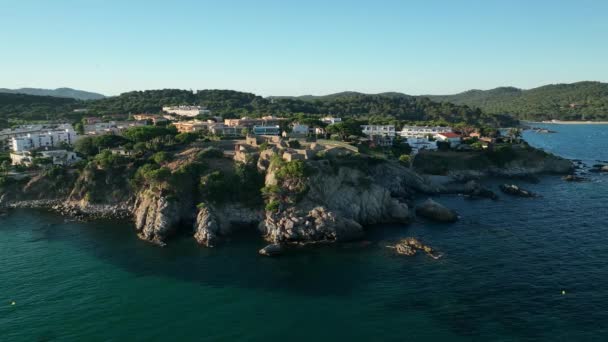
pixel 422 131
pixel 58 157
pixel 379 130
pixel 331 120
pixel 421 143
pixel 6 135
pixel 44 139
pixel 451 137
pixel 190 111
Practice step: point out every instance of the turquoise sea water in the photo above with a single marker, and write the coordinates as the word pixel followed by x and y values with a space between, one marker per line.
pixel 504 268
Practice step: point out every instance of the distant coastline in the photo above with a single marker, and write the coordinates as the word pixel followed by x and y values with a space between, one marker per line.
pixel 576 122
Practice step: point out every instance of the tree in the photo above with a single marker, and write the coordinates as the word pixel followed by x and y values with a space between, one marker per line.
pixel 345 129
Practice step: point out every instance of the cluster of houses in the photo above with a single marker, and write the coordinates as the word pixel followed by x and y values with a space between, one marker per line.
pixel 26 138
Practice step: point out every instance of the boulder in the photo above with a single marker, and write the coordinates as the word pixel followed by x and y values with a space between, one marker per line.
pixel 436 212
pixel 514 190
pixel 474 190
pixel 409 247
pixel 271 250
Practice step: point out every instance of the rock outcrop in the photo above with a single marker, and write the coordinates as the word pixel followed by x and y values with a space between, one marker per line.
pixel 315 225
pixel 214 223
pixel 409 247
pixel 338 202
pixel 158 217
pixel 514 190
pixel 271 250
pixel 436 212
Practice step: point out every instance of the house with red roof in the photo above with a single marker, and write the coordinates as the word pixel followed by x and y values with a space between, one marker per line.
pixel 451 137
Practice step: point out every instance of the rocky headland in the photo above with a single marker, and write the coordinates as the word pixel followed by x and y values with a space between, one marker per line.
pixel 323 198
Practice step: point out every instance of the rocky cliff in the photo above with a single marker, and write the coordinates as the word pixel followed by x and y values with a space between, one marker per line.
pixel 214 223
pixel 340 198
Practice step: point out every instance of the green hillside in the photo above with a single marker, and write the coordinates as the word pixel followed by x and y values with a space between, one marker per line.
pixel 575 101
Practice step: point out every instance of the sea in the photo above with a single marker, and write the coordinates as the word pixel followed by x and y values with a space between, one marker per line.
pixel 516 269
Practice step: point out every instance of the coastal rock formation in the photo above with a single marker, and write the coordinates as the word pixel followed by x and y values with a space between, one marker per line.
pixel 213 223
pixel 514 190
pixel 316 225
pixel 409 247
pixel 599 168
pixel 436 212
pixel 271 250
pixel 508 161
pixel 158 217
pixel 337 202
pixel 573 178
pixel 474 190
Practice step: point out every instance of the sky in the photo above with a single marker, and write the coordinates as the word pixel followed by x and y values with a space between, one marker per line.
pixel 272 47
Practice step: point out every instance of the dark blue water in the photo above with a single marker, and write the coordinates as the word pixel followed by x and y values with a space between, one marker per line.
pixel 504 268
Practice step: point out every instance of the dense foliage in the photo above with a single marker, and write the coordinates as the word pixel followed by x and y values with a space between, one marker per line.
pixel 228 103
pixel 576 101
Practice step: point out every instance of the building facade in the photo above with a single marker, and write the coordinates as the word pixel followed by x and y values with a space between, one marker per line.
pixel 267 130
pixel 44 139
pixel 190 111
pixel 422 131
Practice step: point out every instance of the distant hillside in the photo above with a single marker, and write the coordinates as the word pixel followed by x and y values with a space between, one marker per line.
pixel 22 107
pixel 59 92
pixel 575 101
pixel 383 108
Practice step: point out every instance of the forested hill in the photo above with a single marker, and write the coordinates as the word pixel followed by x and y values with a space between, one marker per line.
pixel 228 103
pixel 59 92
pixel 575 101
pixel 21 107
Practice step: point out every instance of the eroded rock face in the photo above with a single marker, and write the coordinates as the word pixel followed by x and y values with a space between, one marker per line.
pixel 337 202
pixel 157 217
pixel 436 212
pixel 318 224
pixel 354 195
pixel 214 223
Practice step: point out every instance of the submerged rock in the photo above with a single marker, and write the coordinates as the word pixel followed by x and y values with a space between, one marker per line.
pixel 272 250
pixel 514 190
pixel 474 190
pixel 436 212
pixel 409 246
pixel 574 178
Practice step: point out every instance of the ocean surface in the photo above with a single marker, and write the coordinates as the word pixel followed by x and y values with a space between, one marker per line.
pixel 515 269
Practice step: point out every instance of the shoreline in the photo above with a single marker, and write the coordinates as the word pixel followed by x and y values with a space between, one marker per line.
pixel 560 122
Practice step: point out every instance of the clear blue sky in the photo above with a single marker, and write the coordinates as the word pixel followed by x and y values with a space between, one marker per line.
pixel 301 47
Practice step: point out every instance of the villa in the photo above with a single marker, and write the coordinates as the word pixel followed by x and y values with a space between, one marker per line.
pixel 451 137
pixel 190 111
pixel 422 131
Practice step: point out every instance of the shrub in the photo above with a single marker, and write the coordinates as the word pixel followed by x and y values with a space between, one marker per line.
pixel 186 138
pixel 161 157
pixel 405 159
pixel 272 206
